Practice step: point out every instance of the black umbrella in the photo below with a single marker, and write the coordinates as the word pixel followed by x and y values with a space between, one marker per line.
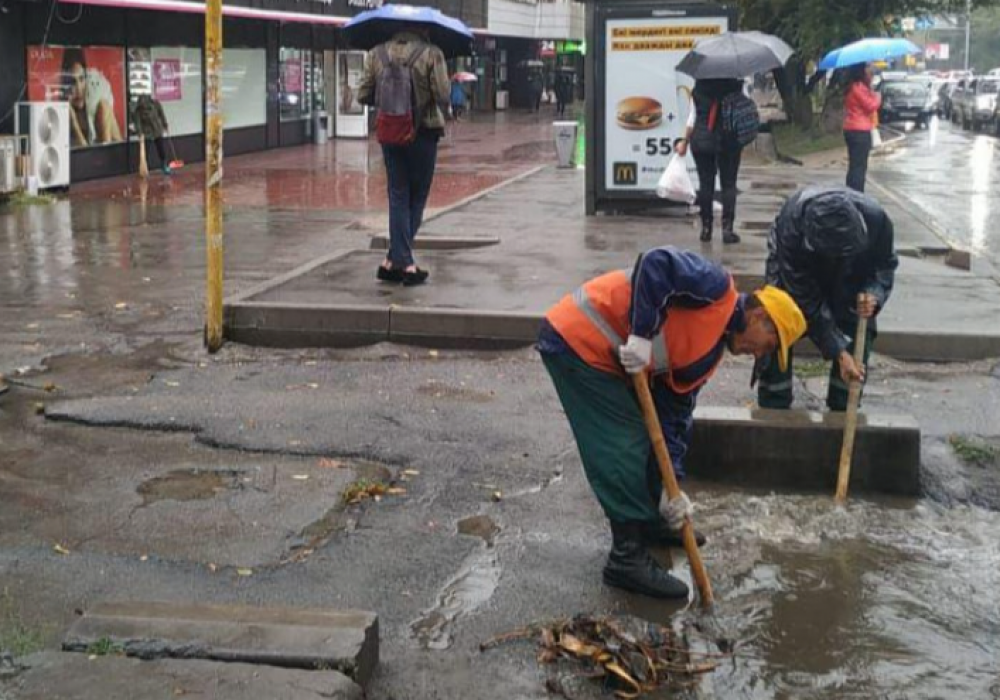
pixel 735 55
pixel 369 29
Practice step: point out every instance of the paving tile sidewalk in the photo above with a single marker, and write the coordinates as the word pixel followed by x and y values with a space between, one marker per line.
pixel 548 246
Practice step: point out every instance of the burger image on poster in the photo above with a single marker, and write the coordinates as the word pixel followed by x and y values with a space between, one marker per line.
pixel 639 113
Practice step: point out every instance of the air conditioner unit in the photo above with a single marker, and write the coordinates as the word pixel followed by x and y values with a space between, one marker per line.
pixel 47 127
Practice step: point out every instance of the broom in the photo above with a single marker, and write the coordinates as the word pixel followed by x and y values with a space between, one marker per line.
pixel 176 163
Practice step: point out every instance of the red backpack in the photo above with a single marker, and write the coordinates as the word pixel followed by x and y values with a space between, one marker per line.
pixel 396 99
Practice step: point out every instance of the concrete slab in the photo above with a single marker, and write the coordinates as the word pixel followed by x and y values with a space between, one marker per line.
pixel 50 675
pixel 346 641
pixel 495 296
pixel 800 450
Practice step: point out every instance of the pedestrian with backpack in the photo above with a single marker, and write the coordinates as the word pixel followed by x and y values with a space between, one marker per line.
pixel 406 80
pixel 721 122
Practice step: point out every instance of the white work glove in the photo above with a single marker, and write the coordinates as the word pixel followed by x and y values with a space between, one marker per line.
pixel 676 510
pixel 635 354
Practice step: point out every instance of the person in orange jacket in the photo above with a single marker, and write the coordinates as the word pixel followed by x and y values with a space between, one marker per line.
pixel 673 315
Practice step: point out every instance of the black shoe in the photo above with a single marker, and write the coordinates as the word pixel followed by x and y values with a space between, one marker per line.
pixel 385 274
pixel 631 568
pixel 706 231
pixel 418 276
pixel 729 237
pixel 660 535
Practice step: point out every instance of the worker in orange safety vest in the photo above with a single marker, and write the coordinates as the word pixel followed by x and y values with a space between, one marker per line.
pixel 674 315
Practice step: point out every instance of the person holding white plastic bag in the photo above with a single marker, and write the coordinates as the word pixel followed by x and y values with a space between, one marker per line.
pixel 675 183
pixel 713 154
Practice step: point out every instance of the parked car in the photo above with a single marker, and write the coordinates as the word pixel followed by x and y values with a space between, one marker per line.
pixel 975 105
pixel 907 100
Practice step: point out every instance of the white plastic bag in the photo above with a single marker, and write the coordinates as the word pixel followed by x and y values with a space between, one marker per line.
pixel 675 183
pixel 876 138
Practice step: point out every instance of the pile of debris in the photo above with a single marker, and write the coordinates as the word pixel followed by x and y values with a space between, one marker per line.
pixel 631 656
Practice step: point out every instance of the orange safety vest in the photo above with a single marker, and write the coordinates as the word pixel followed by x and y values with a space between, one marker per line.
pixel 594 322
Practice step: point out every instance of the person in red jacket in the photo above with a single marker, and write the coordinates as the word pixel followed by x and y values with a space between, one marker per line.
pixel 861 105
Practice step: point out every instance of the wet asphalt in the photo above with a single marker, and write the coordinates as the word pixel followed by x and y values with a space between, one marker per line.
pixel 953 176
pixel 115 414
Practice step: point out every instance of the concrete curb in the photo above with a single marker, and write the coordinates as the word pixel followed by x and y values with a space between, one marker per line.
pixel 750 447
pixel 381 242
pixel 285 325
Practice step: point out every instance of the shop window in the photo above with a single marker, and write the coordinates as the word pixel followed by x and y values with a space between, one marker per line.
pixel 295 80
pixel 92 80
pixel 244 87
pixel 171 75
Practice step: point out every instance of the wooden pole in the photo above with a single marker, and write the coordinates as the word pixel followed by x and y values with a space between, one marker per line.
pixel 214 242
pixel 851 419
pixel 698 571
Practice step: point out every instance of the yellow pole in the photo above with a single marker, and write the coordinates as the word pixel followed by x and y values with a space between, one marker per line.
pixel 214 244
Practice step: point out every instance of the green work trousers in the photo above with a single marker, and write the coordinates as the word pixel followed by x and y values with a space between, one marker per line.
pixel 774 389
pixel 611 435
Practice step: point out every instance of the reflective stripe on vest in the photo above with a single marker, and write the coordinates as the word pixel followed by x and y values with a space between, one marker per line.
pixel 582 302
pixel 661 357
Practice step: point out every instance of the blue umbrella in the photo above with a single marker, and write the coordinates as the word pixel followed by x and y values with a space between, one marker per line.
pixel 369 29
pixel 867 51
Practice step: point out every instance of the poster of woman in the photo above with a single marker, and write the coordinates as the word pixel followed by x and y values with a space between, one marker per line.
pixel 91 79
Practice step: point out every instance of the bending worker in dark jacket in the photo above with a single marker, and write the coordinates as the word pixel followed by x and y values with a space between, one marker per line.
pixel 827 246
pixel 674 315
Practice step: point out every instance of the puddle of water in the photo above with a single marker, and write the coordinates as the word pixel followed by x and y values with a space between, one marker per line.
pixel 188 485
pixel 876 599
pixel 474 584
pixel 481 526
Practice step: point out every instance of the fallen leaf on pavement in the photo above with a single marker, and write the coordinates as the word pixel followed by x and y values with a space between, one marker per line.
pixel 172 383
pixel 411 472
pixel 328 463
pixel 50 387
pixel 300 477
pixel 244 572
pixel 121 305
pixel 59 549
pixel 31 326
pixel 395 491
pixel 212 567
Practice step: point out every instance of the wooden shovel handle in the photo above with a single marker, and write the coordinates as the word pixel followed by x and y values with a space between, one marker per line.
pixel 851 419
pixel 698 572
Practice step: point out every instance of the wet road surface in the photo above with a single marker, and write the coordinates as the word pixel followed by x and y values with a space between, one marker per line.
pixel 180 469
pixel 954 177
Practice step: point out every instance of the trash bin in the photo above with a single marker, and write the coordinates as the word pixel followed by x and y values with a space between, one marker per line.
pixel 321 127
pixel 565 136
pixel 501 100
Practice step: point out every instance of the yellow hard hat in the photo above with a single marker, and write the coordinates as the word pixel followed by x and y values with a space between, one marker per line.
pixel 786 317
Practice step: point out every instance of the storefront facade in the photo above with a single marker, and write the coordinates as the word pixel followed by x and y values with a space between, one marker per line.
pixel 283 60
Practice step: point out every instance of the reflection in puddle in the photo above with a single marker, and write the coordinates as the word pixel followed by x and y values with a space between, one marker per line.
pixel 981 164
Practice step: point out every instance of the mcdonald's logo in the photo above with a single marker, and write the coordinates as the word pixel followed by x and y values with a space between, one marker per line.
pixel 626 173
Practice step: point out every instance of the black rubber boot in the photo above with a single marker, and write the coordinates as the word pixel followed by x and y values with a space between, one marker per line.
pixel 631 568
pixel 660 535
pixel 706 231
pixel 728 234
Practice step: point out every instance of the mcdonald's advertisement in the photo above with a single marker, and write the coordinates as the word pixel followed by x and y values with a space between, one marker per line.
pixel 646 99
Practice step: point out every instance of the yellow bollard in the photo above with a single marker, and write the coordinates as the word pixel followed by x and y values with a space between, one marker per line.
pixel 214 242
